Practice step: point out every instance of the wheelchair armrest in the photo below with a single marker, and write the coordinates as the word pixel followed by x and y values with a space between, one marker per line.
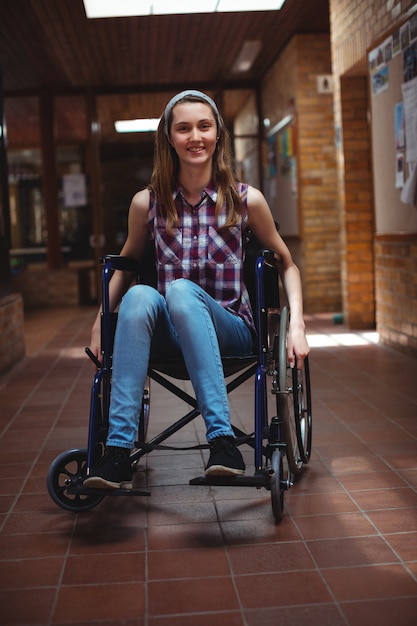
pixel 272 258
pixel 124 263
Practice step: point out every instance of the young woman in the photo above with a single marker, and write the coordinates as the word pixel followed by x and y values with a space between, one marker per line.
pixel 196 213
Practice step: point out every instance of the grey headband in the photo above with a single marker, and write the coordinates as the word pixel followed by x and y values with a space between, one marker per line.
pixel 181 96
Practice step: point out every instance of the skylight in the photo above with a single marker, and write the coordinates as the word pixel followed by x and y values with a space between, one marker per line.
pixel 126 8
pixel 141 125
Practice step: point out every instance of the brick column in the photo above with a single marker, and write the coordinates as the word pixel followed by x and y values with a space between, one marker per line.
pixel 357 213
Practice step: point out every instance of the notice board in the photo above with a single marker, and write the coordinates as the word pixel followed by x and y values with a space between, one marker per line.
pixel 392 68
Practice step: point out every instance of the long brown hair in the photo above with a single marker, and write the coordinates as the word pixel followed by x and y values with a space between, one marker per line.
pixel 166 171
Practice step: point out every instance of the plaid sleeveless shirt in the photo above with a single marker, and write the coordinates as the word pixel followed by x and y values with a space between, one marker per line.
pixel 199 251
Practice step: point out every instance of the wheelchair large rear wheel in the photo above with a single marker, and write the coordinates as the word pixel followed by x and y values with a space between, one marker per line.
pixel 295 402
pixel 66 471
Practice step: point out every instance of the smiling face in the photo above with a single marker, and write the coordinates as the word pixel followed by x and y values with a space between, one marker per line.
pixel 193 132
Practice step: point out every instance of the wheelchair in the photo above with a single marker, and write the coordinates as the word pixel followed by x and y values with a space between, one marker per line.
pixel 282 427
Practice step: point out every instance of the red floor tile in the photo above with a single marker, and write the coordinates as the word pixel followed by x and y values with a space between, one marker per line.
pixel 36 608
pixel 404 544
pixel 30 573
pixel 324 614
pixel 88 569
pixel 281 589
pixel 352 551
pixel 270 557
pixel 197 563
pixel 192 596
pixel 390 521
pixel 334 526
pixel 384 612
pixel 386 499
pixel 100 602
pixel 370 582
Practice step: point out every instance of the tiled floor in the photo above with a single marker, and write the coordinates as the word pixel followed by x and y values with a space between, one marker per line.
pixel 344 554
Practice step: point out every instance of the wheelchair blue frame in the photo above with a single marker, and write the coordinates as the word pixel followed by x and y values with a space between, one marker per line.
pixel 288 438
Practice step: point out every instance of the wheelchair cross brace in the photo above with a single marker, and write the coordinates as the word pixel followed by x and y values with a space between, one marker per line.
pixel 154 443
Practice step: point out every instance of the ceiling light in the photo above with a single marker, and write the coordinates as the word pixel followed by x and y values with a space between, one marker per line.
pixel 169 7
pixel 126 8
pixel 247 55
pixel 230 6
pixel 137 126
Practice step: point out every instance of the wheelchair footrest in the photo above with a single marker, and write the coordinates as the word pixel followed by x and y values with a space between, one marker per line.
pixel 85 491
pixel 259 480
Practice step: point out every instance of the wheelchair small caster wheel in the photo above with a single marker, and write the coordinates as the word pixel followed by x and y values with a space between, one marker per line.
pixel 278 485
pixel 64 482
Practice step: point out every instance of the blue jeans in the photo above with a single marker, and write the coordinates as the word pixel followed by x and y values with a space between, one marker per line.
pixel 186 321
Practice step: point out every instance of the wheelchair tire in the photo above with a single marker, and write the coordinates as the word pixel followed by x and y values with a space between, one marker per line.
pixel 302 410
pixel 288 411
pixel 278 486
pixel 69 469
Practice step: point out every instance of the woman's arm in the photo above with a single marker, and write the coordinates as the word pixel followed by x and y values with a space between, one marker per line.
pixel 134 247
pixel 261 223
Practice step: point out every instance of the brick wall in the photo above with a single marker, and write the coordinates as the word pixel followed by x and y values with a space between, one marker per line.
pixel 357 210
pixel 317 177
pixel 292 81
pixel 396 286
pixel 41 287
pixel 356 24
pixel 12 344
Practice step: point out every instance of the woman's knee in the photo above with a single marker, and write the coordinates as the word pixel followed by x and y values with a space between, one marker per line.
pixel 182 295
pixel 139 301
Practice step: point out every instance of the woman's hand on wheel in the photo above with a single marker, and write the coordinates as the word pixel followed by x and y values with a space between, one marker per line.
pixel 297 346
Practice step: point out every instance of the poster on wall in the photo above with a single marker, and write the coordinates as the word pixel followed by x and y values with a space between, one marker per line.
pixel 378 67
pixel 380 80
pixel 396 43
pixel 399 174
pixel 387 46
pixel 413 27
pixel 409 91
pixel 409 41
pixel 75 190
pixel 410 62
pixel 405 35
pixel 399 125
pixel 294 179
pixel 409 192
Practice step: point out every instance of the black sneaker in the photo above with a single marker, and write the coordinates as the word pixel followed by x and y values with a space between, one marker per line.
pixel 225 458
pixel 112 471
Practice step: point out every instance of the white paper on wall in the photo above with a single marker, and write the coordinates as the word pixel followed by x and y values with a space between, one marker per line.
pixel 409 91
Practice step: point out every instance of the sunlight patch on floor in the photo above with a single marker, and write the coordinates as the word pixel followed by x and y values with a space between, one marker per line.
pixel 322 340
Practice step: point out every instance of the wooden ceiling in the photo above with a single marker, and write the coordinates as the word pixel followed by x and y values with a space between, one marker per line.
pixel 133 65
